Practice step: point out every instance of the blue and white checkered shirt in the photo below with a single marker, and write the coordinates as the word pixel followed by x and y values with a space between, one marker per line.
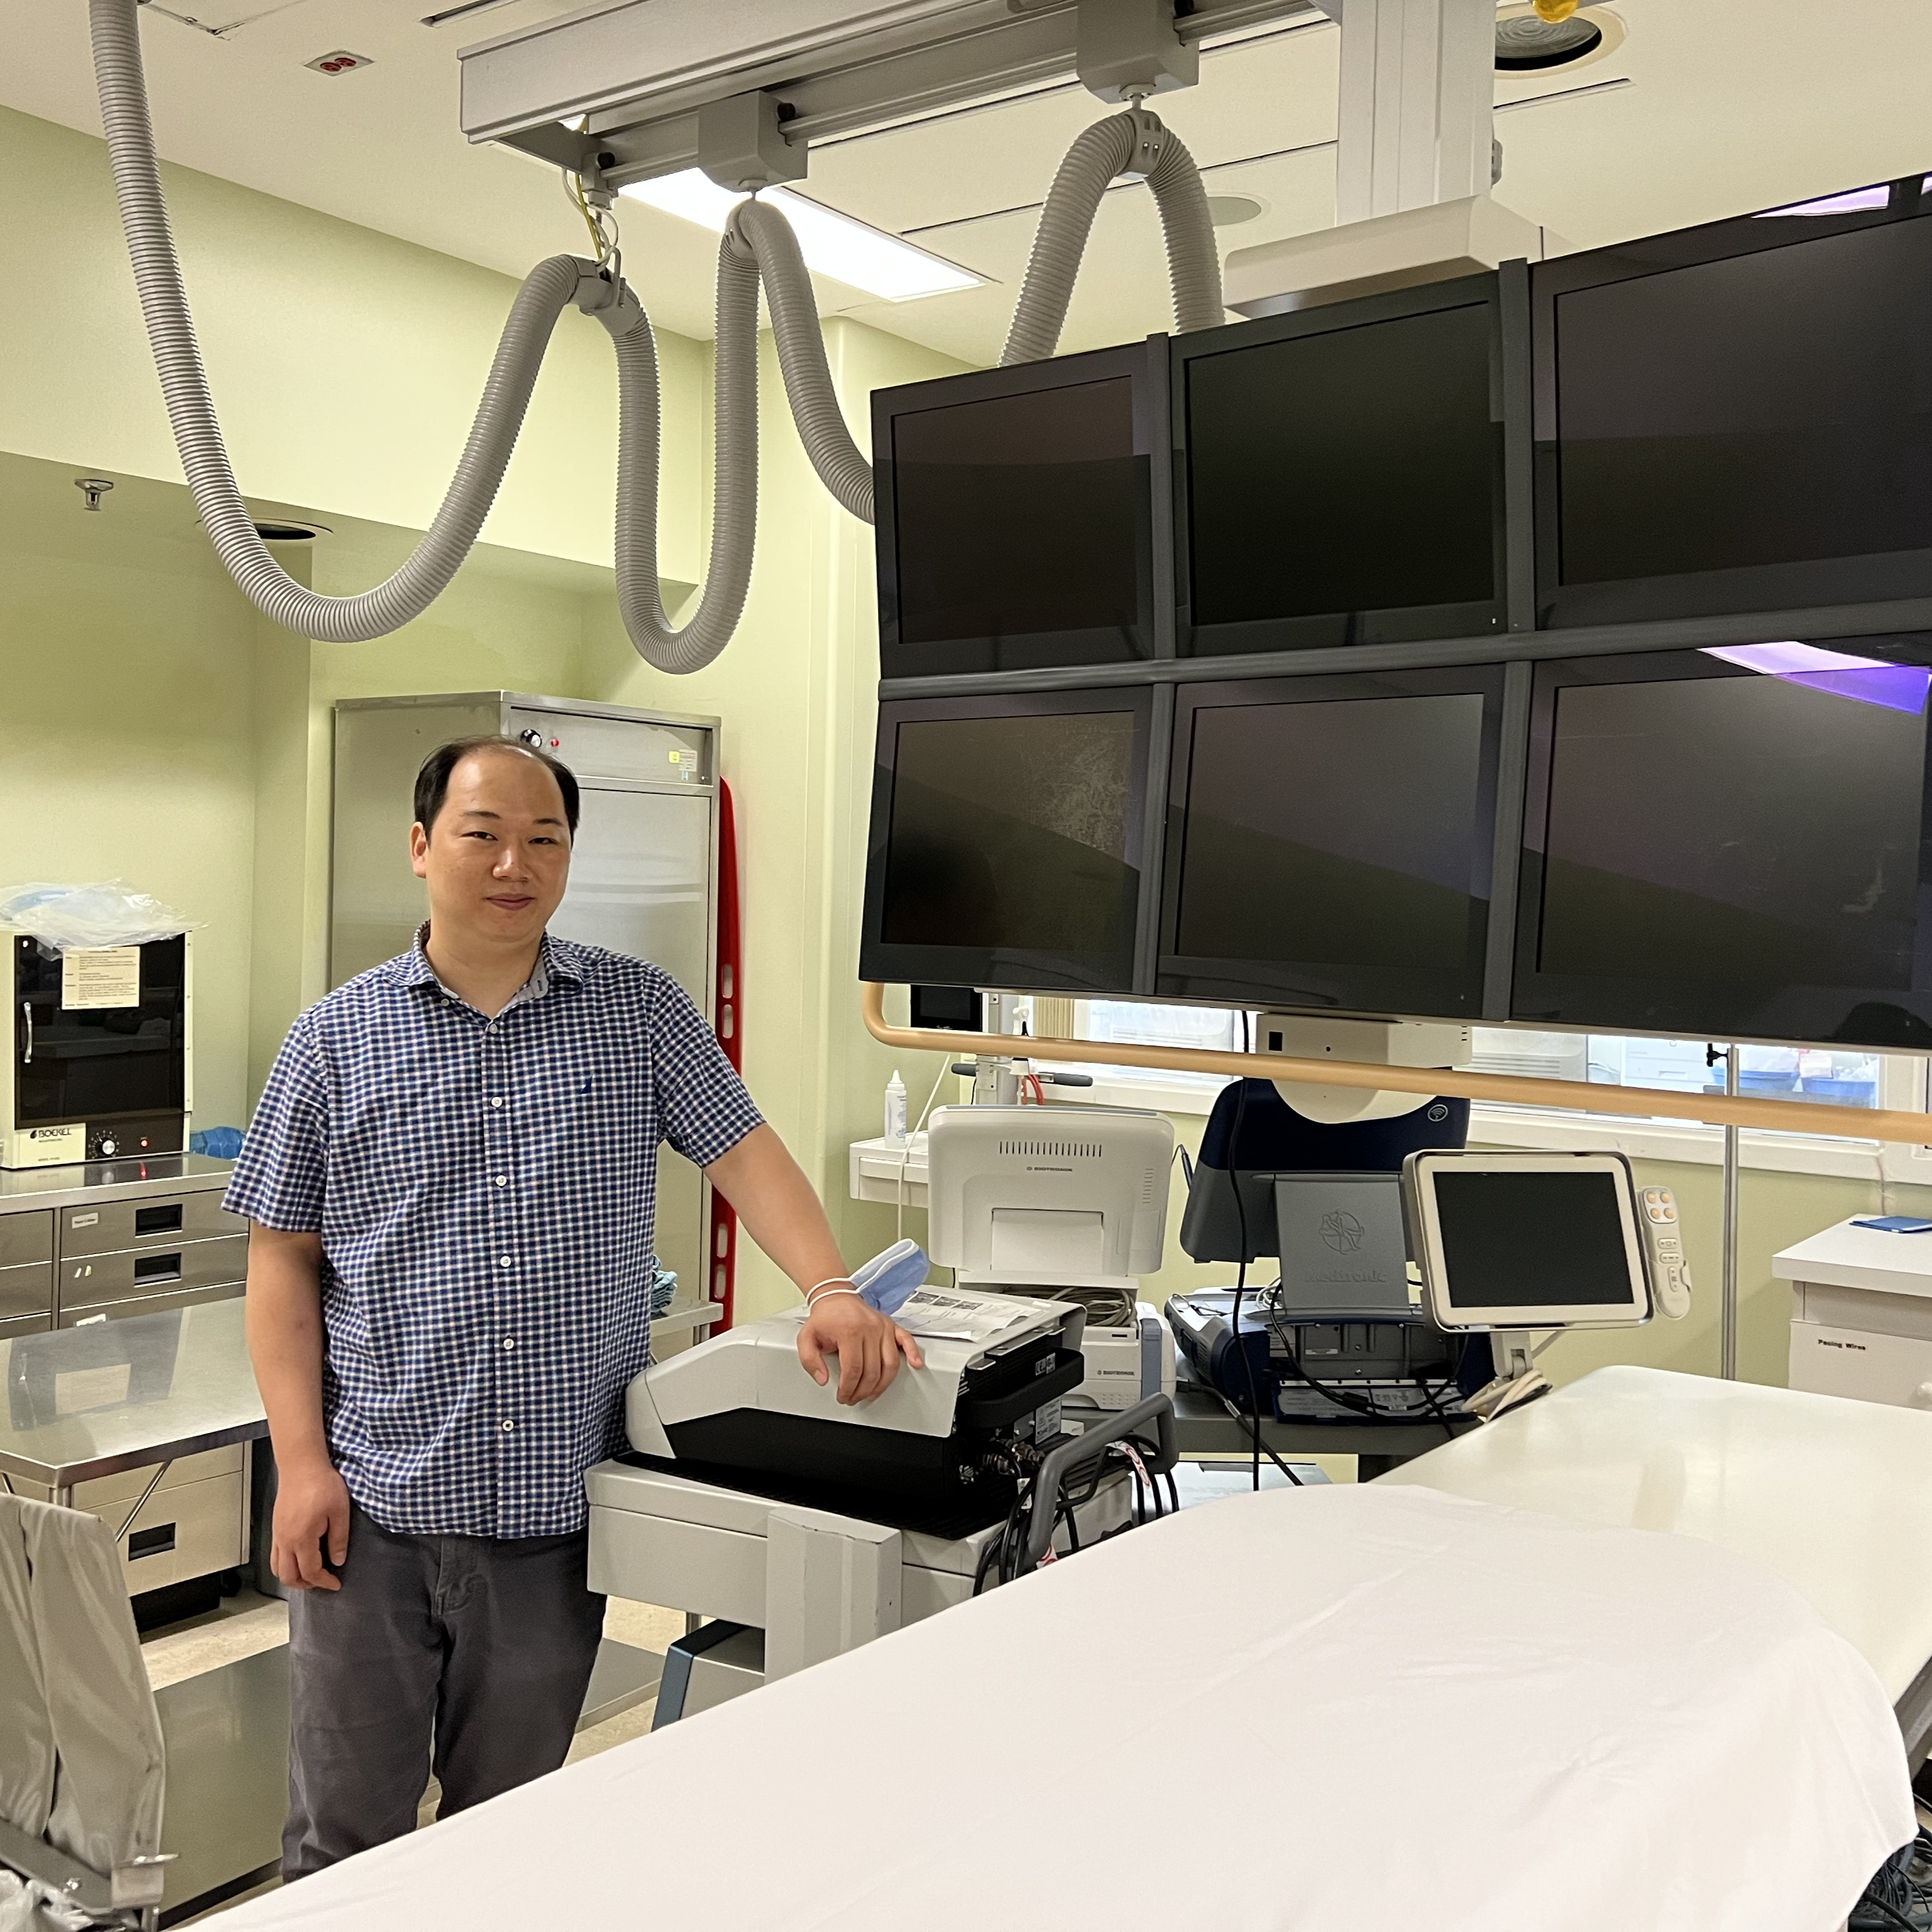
pixel 485 1190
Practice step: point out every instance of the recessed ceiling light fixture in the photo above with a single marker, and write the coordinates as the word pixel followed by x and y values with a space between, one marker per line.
pixel 1230 210
pixel 834 245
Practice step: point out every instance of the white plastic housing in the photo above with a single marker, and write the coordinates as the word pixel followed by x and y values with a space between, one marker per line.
pixel 1048 1194
pixel 1389 251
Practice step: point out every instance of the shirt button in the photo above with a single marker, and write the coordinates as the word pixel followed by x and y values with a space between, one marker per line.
pixel 509 1341
pixel 496 1100
pixel 502 1180
pixel 504 1261
pixel 507 1425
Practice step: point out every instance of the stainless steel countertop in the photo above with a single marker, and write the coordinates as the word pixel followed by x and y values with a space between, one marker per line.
pixel 23 1189
pixel 89 1401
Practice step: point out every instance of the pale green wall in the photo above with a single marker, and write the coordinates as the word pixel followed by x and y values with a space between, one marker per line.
pixel 178 739
pixel 347 364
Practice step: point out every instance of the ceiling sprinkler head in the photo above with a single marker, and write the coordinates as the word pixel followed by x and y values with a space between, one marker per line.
pixel 93 488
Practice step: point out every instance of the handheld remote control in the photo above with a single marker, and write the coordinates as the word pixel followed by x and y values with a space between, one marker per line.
pixel 1663 1252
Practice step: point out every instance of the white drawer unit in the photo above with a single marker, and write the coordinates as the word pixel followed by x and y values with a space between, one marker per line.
pixel 1861 1314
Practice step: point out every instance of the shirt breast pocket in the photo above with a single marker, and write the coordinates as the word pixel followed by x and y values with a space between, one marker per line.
pixel 418 1118
pixel 582 1110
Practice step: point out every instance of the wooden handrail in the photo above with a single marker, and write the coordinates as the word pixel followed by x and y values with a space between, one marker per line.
pixel 1742 1110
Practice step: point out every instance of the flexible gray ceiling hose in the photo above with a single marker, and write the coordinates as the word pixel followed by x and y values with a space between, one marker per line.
pixel 759 244
pixel 801 347
pixel 734 502
pixel 144 216
pixel 1108 148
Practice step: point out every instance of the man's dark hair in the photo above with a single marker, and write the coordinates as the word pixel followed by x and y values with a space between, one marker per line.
pixel 433 780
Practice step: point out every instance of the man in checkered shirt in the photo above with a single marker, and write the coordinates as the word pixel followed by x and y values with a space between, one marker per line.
pixel 452 1179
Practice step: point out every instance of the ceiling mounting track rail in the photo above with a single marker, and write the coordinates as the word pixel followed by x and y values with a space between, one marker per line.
pixel 642 69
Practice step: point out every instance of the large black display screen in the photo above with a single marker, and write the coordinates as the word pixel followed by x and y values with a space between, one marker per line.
pixel 1016 516
pixel 1333 850
pixel 1759 413
pixel 1726 852
pixel 1015 838
pixel 1349 474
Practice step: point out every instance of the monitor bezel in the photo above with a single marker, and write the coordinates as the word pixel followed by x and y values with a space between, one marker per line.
pixel 1419 1171
pixel 1325 987
pixel 1807 583
pixel 1016 969
pixel 1143 364
pixel 1662 1008
pixel 1400 624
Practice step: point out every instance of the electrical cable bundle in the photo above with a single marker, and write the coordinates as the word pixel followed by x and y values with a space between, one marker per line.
pixel 1000 1559
pixel 758 249
pixel 1240 1288
pixel 1900 1894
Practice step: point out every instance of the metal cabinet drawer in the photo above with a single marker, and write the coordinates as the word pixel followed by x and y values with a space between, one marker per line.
pixel 184 1529
pixel 184 1532
pixel 168 1220
pixel 100 1280
pixel 104 1491
pixel 27 1290
pixel 73 1317
pixel 26 1237
pixel 25 1324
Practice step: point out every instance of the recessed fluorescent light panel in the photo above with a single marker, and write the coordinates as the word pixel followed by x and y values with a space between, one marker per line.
pixel 833 244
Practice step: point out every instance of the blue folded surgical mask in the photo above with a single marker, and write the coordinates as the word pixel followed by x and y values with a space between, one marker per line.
pixel 889 1280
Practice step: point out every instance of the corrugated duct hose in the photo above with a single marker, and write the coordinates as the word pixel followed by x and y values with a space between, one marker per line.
pixel 758 245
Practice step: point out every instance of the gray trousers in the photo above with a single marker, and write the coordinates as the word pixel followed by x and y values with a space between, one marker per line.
pixel 466 1653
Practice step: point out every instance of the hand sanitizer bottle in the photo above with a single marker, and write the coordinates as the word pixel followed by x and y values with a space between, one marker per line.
pixel 896 1110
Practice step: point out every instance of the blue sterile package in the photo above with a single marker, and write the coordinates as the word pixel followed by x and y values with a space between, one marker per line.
pixel 1898 1224
pixel 889 1280
pixel 223 1143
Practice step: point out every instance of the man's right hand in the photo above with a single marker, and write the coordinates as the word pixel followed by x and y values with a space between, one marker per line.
pixel 311 1509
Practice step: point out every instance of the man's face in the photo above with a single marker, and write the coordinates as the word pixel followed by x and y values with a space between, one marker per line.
pixel 498 857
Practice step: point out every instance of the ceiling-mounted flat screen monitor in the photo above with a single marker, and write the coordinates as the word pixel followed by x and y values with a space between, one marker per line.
pixel 1016 512
pixel 1006 845
pixel 1731 844
pixel 1330 841
pixel 1738 417
pixel 1341 479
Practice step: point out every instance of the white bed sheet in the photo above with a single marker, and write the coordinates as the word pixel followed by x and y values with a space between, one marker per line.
pixel 1303 1712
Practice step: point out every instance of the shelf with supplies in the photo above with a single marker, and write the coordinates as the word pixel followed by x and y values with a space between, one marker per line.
pixel 890 1172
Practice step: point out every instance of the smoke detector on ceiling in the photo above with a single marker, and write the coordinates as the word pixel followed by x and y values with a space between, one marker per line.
pixel 1528 41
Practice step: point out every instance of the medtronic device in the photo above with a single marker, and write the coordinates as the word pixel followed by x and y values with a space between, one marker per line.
pixel 1343 1251
pixel 1534 1240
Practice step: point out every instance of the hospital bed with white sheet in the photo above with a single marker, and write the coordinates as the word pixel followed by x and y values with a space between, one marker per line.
pixel 1306 1710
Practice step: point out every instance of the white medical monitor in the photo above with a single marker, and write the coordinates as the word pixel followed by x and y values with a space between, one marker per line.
pixel 1046 1194
pixel 1526 1240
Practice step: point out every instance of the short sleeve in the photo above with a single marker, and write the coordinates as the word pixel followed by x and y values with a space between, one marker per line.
pixel 278 1180
pixel 706 1109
